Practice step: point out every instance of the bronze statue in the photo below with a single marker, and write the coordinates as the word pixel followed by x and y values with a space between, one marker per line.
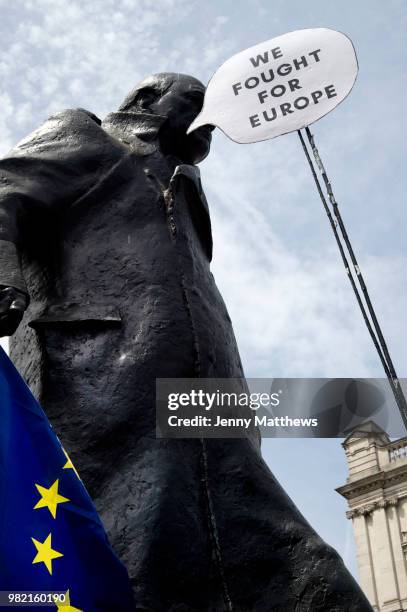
pixel 104 225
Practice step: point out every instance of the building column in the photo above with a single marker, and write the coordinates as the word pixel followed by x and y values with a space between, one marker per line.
pixel 364 557
pixel 383 561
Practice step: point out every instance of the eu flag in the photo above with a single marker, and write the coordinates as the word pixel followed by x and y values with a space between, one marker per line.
pixel 51 538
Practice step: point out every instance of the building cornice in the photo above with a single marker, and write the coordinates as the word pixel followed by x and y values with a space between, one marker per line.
pixel 367 509
pixel 377 481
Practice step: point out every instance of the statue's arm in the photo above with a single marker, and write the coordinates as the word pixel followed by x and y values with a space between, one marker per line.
pixel 50 168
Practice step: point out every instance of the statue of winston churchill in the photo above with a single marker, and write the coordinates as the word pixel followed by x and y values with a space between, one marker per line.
pixel 105 285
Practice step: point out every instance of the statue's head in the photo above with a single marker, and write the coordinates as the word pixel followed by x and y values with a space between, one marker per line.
pixel 178 98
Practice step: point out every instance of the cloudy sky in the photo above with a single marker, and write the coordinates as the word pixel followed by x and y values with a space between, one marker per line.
pixel 275 260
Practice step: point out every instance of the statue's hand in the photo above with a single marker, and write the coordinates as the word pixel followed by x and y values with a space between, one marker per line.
pixel 13 303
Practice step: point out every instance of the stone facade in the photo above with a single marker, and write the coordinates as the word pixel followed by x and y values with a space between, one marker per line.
pixel 376 491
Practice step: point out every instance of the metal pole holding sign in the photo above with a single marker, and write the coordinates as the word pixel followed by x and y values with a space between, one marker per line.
pixel 374 330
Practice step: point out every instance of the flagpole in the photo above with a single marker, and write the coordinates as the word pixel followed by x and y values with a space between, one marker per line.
pixel 378 340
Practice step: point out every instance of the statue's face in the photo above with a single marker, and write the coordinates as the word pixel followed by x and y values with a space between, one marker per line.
pixel 181 102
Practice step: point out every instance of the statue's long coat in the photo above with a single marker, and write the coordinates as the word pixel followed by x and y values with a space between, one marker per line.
pixel 115 245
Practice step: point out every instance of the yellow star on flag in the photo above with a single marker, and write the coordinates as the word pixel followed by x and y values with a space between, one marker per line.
pixel 50 498
pixel 65 606
pixel 45 553
pixel 69 465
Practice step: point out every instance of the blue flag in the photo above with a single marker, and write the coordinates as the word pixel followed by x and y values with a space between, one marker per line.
pixel 51 538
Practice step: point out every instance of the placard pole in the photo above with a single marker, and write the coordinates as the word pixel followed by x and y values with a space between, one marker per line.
pixel 374 330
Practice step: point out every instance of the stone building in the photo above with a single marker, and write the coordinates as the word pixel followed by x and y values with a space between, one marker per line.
pixel 376 492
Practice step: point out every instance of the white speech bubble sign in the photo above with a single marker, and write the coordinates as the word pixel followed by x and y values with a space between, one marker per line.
pixel 280 85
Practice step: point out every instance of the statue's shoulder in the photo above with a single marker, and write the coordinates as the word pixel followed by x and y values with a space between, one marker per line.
pixel 72 123
pixel 89 114
pixel 74 117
